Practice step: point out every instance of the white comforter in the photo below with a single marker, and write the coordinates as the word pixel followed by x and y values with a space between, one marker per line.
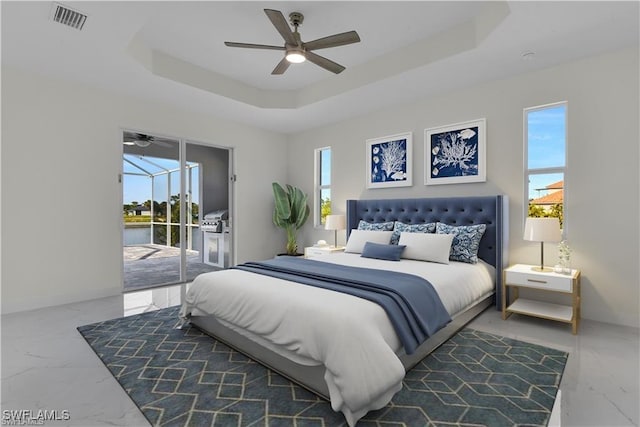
pixel 352 337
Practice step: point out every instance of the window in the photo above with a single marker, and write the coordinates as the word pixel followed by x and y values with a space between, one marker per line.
pixel 322 198
pixel 545 160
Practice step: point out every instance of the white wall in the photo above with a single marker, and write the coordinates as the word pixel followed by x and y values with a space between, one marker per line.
pixel 61 154
pixel 601 180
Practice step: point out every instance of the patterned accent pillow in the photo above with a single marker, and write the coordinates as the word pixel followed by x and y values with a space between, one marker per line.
pixel 375 226
pixel 401 227
pixel 466 241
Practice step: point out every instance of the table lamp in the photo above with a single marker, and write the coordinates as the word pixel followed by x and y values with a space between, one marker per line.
pixel 542 230
pixel 335 223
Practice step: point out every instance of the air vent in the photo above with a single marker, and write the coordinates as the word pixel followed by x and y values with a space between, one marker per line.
pixel 67 16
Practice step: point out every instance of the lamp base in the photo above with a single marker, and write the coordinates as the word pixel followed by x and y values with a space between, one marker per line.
pixel 542 269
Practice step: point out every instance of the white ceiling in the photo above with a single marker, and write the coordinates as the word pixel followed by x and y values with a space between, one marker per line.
pixel 173 51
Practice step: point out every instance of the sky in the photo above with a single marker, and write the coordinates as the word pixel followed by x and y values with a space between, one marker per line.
pixel 325 170
pixel 138 188
pixel 546 145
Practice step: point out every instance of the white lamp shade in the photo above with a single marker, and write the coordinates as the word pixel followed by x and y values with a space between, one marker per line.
pixel 335 222
pixel 542 230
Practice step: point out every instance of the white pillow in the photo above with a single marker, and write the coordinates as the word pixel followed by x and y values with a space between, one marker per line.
pixel 426 246
pixel 358 238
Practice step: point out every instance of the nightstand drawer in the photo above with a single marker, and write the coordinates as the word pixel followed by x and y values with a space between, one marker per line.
pixel 311 251
pixel 540 281
pixel 315 252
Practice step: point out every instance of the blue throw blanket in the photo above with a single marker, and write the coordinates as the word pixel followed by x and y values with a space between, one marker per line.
pixel 412 304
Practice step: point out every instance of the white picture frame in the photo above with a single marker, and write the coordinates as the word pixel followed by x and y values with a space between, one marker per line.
pixel 390 161
pixel 456 153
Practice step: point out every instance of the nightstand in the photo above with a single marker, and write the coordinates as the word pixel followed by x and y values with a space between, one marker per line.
pixel 321 250
pixel 521 276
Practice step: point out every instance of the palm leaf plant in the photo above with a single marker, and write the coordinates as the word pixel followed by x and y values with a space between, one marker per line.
pixel 291 211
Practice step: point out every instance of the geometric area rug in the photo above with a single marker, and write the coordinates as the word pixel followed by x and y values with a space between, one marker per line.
pixel 183 377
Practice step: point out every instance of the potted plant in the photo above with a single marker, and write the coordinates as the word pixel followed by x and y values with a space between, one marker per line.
pixel 291 211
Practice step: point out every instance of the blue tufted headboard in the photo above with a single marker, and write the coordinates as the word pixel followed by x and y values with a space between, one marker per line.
pixel 489 210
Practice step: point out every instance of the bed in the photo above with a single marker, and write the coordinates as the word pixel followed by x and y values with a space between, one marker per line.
pixel 337 366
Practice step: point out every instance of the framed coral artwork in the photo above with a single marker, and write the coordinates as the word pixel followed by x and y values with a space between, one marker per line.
pixel 455 153
pixel 389 161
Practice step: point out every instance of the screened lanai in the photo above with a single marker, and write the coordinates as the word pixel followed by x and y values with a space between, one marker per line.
pixel 152 235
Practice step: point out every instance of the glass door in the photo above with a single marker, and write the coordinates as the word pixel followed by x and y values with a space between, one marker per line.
pixel 170 188
pixel 151 211
pixel 208 204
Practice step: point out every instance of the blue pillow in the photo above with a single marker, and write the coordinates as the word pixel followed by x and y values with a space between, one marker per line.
pixel 375 226
pixel 466 241
pixel 380 251
pixel 401 227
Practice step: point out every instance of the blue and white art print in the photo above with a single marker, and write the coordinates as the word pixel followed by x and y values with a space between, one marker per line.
pixel 389 161
pixel 455 153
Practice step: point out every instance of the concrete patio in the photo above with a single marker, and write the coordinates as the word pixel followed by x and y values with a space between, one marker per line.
pixel 150 265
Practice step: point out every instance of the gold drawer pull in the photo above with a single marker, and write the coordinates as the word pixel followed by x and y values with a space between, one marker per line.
pixel 536 281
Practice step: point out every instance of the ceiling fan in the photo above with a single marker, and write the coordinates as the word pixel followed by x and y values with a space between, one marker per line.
pixel 142 140
pixel 296 51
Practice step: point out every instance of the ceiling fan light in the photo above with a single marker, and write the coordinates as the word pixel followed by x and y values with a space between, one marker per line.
pixel 296 56
pixel 142 143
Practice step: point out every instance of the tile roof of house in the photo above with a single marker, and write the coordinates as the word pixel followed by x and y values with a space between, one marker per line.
pixel 550 199
pixel 555 186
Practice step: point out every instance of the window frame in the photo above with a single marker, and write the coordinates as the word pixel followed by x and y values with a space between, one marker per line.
pixel 546 170
pixel 318 186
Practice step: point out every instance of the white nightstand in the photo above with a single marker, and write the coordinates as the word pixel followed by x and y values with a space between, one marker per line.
pixel 321 250
pixel 521 276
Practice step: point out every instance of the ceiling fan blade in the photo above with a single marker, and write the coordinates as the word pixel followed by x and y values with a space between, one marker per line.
pixel 131 136
pixel 281 67
pixel 161 143
pixel 281 24
pixel 164 142
pixel 253 46
pixel 325 63
pixel 333 41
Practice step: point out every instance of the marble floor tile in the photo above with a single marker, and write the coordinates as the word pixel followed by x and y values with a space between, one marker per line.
pixel 46 364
